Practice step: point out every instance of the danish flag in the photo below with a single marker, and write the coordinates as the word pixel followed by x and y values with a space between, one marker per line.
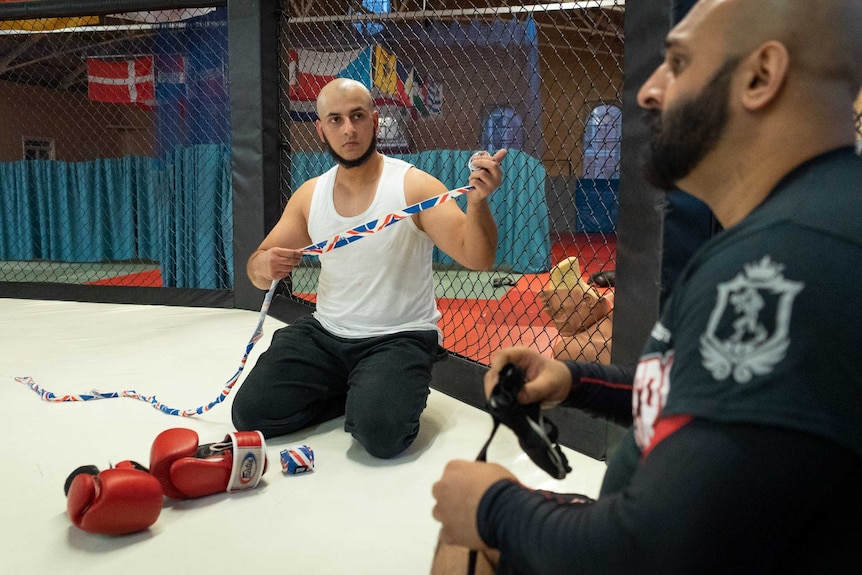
pixel 121 81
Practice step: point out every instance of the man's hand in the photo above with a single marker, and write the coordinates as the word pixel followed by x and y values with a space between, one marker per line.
pixel 488 176
pixel 546 380
pixel 272 264
pixel 458 494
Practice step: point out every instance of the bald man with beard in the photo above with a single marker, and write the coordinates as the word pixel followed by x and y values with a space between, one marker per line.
pixel 745 451
pixel 367 350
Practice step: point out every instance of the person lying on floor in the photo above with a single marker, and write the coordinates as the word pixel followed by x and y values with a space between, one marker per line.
pixel 582 316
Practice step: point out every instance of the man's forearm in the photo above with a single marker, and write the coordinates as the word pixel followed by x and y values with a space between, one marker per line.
pixel 601 390
pixel 709 498
pixel 480 235
pixel 259 281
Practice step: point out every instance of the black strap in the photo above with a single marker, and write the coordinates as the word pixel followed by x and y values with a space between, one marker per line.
pixel 471 565
pixel 483 456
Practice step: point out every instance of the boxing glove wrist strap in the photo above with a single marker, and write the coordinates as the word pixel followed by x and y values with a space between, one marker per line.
pixel 249 457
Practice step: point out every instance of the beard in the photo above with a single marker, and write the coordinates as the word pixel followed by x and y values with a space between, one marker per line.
pixel 344 162
pixel 682 135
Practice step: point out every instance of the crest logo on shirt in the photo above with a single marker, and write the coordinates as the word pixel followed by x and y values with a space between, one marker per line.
pixel 748 330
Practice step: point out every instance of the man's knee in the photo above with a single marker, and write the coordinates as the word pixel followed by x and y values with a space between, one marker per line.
pixel 384 441
pixel 251 415
pixel 241 416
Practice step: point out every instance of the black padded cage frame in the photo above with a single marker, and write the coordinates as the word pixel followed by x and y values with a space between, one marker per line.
pixel 259 154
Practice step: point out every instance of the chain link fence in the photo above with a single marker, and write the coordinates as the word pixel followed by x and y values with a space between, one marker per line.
pixel 115 155
pixel 859 125
pixel 451 78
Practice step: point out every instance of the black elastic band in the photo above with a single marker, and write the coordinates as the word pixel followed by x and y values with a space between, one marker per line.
pixel 483 456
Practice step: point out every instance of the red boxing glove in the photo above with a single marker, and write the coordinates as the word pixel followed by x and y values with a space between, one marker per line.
pixel 123 499
pixel 186 470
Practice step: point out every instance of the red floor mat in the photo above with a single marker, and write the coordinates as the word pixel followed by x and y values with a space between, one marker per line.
pixel 151 278
pixel 596 252
pixel 477 328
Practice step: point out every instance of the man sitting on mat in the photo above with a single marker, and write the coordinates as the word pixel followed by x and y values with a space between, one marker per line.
pixel 367 350
pixel 745 448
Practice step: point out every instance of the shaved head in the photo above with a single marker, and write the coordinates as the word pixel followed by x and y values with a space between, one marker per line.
pixel 342 88
pixel 822 37
pixel 761 86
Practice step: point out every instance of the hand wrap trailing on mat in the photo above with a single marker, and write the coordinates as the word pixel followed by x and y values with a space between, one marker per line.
pixel 342 239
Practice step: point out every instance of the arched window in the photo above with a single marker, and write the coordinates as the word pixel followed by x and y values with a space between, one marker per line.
pixel 502 128
pixel 602 136
pixel 374 7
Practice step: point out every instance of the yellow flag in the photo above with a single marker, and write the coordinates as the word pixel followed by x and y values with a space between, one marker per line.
pixel 385 75
pixel 44 24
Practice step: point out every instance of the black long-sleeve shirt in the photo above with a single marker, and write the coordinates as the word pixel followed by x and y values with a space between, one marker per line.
pixel 745 452
pixel 709 499
pixel 602 391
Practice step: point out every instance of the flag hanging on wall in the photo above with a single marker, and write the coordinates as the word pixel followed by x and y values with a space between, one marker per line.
pixel 433 97
pixel 171 71
pixel 385 76
pixel 309 71
pixel 416 91
pixel 390 75
pixel 391 81
pixel 45 24
pixel 121 81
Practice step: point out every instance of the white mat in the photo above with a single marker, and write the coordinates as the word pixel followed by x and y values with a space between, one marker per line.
pixel 353 515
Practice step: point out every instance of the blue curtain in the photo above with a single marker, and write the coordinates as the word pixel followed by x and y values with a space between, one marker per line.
pixel 596 204
pixel 176 211
pixel 76 212
pixel 518 205
pixel 197 230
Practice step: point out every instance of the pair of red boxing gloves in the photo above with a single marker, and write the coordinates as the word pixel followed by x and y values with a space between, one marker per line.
pixel 128 497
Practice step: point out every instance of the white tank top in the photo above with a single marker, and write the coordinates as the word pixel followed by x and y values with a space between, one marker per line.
pixel 382 283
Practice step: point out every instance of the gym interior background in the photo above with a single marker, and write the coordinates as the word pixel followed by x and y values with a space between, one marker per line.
pixel 146 147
